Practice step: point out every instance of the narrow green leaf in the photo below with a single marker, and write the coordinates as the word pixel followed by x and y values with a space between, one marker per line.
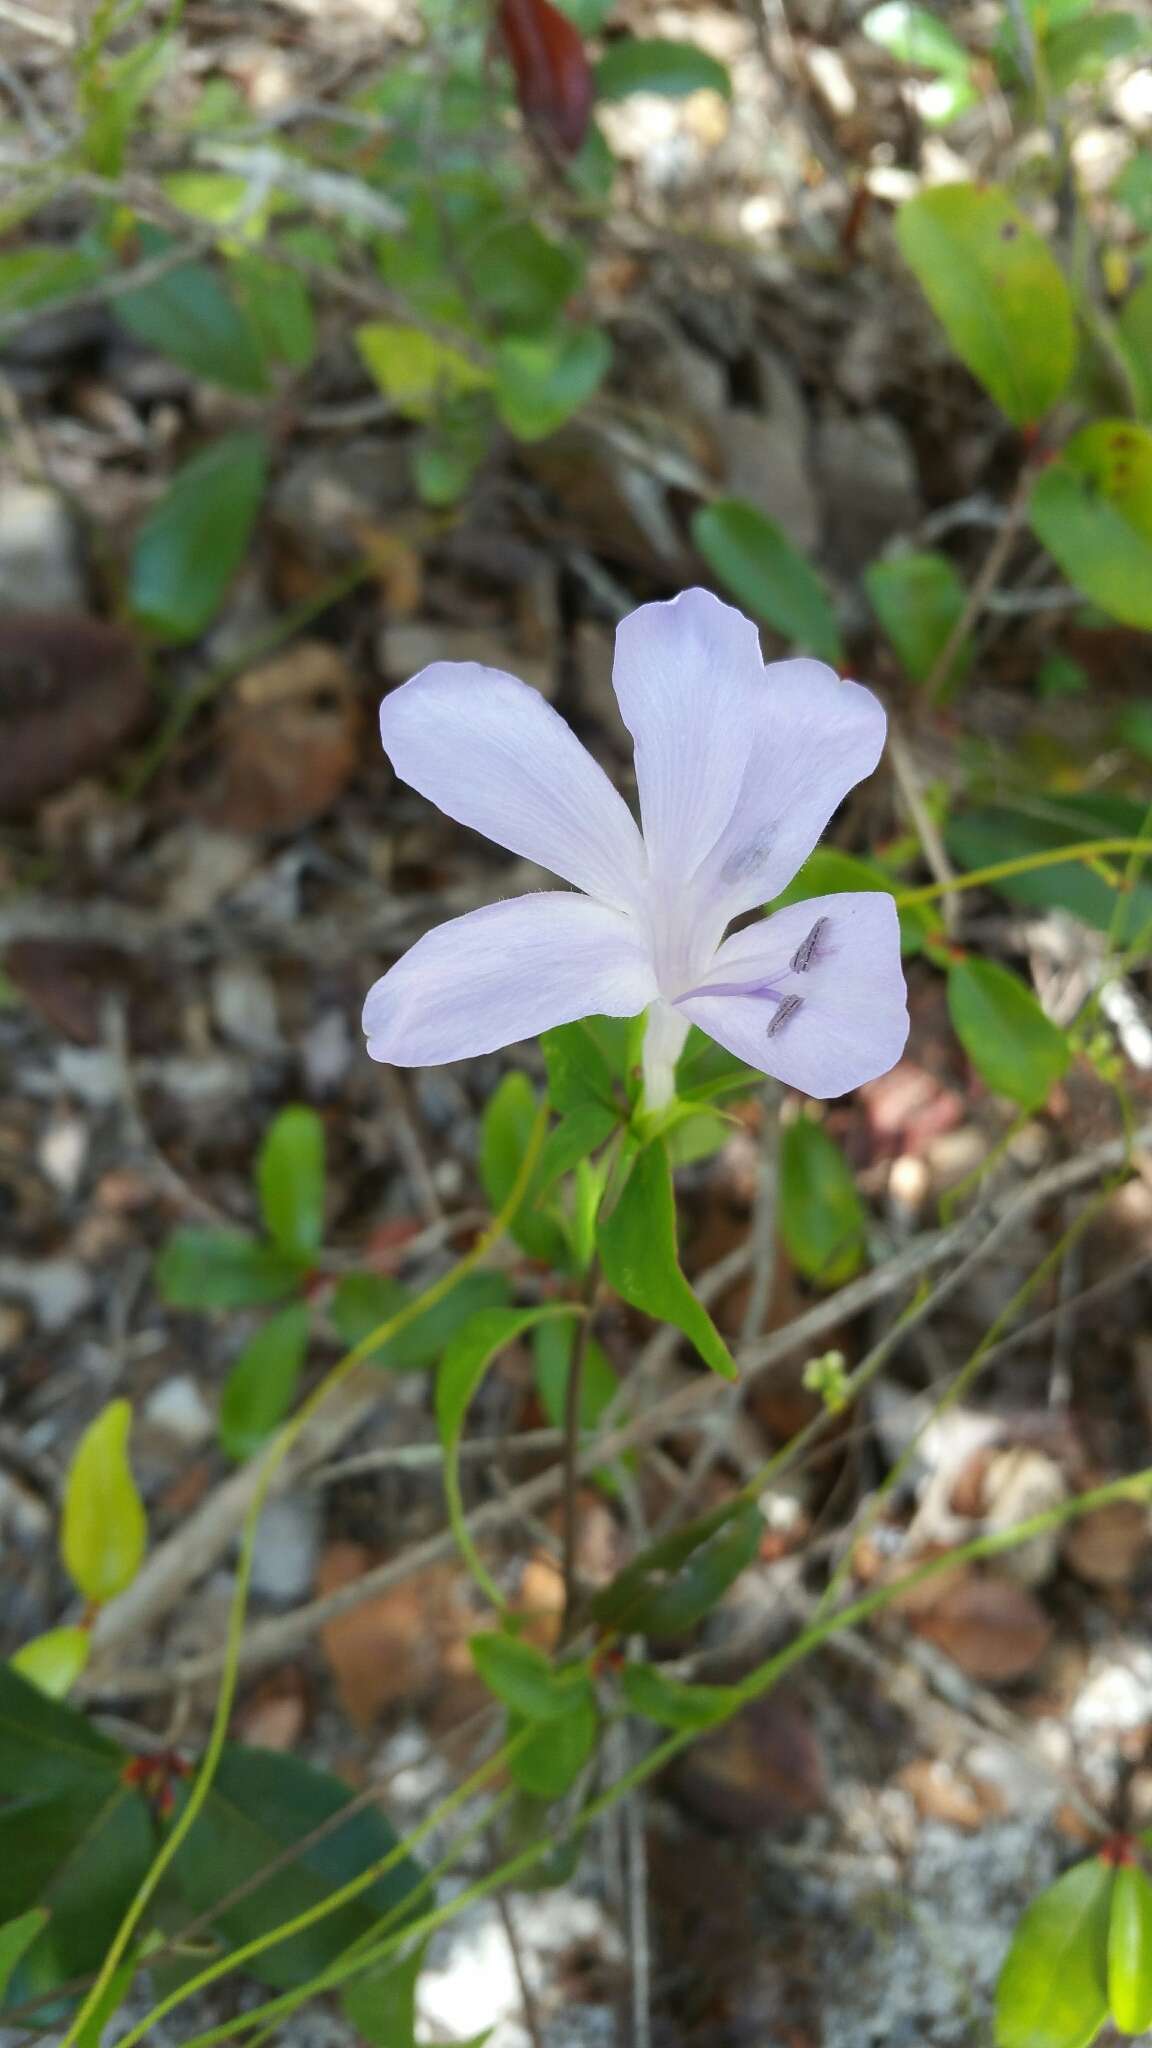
pixel 104 1532
pixel 918 599
pixel 754 558
pixel 523 1677
pixel 1130 1950
pixel 363 1301
pixel 541 380
pixel 1017 1050
pixel 657 64
pixel 290 1177
pixel 637 1242
pixel 193 542
pixel 15 1937
pixel 1092 508
pixel 1052 1989
pixel 53 1662
pixel 505 1130
pixel 822 1219
pixel 188 315
pixel 381 2003
pixel 997 290
pixel 261 1387
pixel 223 1269
pixel 671 1704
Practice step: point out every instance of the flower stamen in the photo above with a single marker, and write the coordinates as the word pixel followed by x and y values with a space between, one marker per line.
pixel 805 953
pixel 783 1014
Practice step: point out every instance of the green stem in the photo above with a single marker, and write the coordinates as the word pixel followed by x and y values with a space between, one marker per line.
pixel 1022 864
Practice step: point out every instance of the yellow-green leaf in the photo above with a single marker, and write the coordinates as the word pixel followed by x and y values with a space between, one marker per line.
pixel 53 1662
pixel 104 1533
pixel 1130 1950
pixel 1092 508
pixel 415 370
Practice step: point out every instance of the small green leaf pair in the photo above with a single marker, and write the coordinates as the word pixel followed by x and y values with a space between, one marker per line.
pixel 1082 1951
pixel 553 1717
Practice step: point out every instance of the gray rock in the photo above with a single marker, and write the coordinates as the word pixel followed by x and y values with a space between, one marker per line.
pixel 177 1409
pixel 766 455
pixel 868 477
pixel 327 494
pixel 41 559
pixel 284 1555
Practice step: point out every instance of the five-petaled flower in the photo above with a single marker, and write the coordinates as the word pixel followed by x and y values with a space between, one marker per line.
pixel 739 768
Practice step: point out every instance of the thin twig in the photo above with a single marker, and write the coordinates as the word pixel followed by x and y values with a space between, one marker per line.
pixel 986 579
pixel 573 1390
pixel 527 1995
pixel 924 825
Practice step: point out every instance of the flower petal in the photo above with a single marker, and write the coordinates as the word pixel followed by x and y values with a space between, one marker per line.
pixel 504 973
pixel 490 752
pixel 823 1006
pixel 811 738
pixel 686 676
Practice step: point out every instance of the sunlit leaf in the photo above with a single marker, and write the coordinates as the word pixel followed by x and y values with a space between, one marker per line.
pixel 416 370
pixel 1092 508
pixel 104 1532
pixel 524 1678
pixel 1052 1990
pixel 1130 1950
pixel 53 1662
pixel 637 1240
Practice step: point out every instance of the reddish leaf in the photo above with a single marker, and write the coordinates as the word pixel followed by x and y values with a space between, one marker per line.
pixel 553 76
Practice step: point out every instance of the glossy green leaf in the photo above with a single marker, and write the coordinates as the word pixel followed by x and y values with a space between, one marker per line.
pixel 290 1177
pixel 550 1760
pixel 1078 51
pixel 1092 508
pixel 278 308
pixel 505 1130
pixel 919 599
pixel 261 1387
pixel 997 290
pixel 188 315
pixel 917 38
pixel 1134 327
pixel 263 1803
pixel 524 1679
pixel 657 64
pixel 104 1532
pixel 16 1936
pixel 637 1240
pixel 1015 1048
pixel 415 370
pixel 223 1269
pixel 193 542
pixel 822 1219
pixel 988 834
pixel 1052 1990
pixel 541 380
pixel 755 560
pixel 671 1703
pixel 53 1662
pixel 363 1301
pixel 1130 1950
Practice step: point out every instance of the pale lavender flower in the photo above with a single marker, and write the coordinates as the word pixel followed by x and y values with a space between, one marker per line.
pixel 739 769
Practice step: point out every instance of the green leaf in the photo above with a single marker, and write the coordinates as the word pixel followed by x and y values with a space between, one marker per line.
pixel 919 599
pixel 261 1387
pixel 1051 1992
pixel 104 1533
pixel 381 2004
pixel 637 1242
pixel 983 836
pixel 277 306
pixel 189 316
pixel 1134 327
pixel 15 1937
pixel 1130 1950
pixel 822 1219
pixel 556 1751
pixel 261 1804
pixel 829 873
pixel 915 37
pixel 193 542
pixel 44 271
pixel 754 558
pixel 363 1301
pixel 997 290
pixel 574 1138
pixel 541 380
pixel 223 1269
pixel 670 1604
pixel 654 64
pixel 1016 1049
pixel 1133 188
pixel 415 370
pixel 1081 50
pixel 599 1385
pixel 524 1679
pixel 462 1369
pixel 579 1070
pixel 1092 508
pixel 672 1704
pixel 505 1130
pixel 520 277
pixel 290 1177
pixel 1134 727
pixel 53 1662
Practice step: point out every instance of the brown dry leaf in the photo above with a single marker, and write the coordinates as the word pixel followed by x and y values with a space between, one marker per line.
pixel 541 1601
pixel 991 1627
pixel 941 1793
pixel 290 742
pixel 764 1769
pixel 397 566
pixel 398 1647
pixel 72 691
pixel 1106 1546
pixel 276 1715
